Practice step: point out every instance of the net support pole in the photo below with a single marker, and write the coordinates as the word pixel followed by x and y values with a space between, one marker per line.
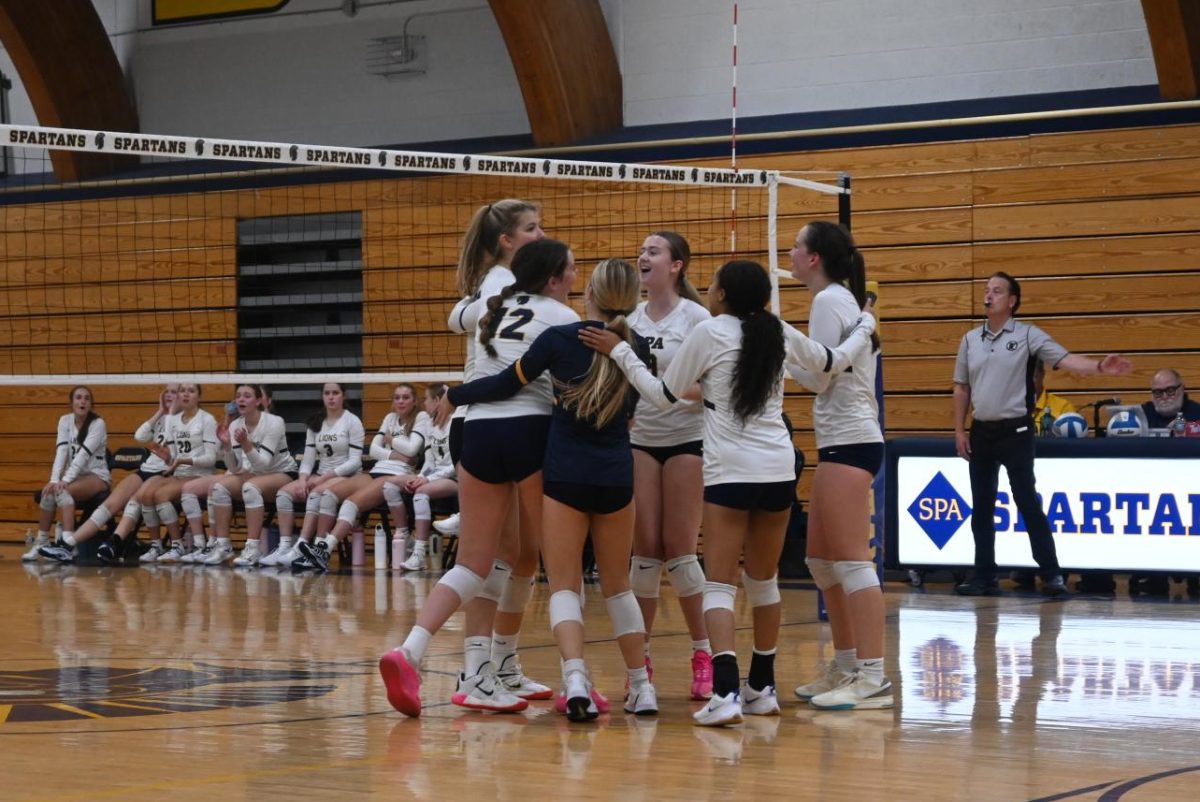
pixel 773 240
pixel 844 200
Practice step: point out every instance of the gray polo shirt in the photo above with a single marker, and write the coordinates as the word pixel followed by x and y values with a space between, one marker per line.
pixel 999 368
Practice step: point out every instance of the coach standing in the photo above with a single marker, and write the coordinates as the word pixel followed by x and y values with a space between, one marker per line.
pixel 993 377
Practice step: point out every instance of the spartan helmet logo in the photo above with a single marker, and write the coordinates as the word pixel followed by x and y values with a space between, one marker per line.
pixel 762 177
pixel 100 140
pixel 546 167
pixel 695 174
pixel 621 171
pixel 294 152
pixel 1012 345
pixel 382 158
pixel 466 162
pixel 199 147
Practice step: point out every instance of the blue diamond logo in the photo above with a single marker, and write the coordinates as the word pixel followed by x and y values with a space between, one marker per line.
pixel 939 510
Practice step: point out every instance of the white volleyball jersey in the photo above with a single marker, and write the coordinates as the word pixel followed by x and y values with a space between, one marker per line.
pixel 194 438
pixel 683 423
pixel 73 459
pixel 337 448
pixel 270 452
pixel 153 431
pixel 438 464
pixel 464 318
pixel 522 318
pixel 758 448
pixel 410 444
pixel 845 411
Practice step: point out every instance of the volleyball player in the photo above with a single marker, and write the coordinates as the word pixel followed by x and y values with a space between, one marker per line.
pixel 122 496
pixel 850 453
pixel 192 440
pixel 667 460
pixel 492 626
pixel 79 473
pixel 749 464
pixel 503 446
pixel 333 448
pixel 436 480
pixel 587 481
pixel 400 439
pixel 260 463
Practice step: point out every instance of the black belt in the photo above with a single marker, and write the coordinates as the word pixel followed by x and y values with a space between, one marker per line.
pixel 1008 425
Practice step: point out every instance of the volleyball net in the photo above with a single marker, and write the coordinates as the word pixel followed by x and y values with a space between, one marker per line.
pixel 132 260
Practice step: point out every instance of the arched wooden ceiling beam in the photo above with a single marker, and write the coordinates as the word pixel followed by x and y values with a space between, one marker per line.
pixel 566 66
pixel 1174 27
pixel 74 80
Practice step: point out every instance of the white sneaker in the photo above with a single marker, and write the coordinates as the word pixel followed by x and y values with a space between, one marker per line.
pixel 286 558
pixel 175 554
pixel 448 526
pixel 217 555
pixel 197 555
pixel 642 701
pixel 276 556
pixel 855 693
pixel 32 555
pixel 415 562
pixel 831 677
pixel 249 557
pixel 759 703
pixel 720 711
pixel 483 691
pixel 578 702
pixel 151 554
pixel 512 676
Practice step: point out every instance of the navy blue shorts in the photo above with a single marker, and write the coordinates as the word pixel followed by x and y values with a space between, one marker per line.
pixel 456 439
pixel 147 476
pixel 753 496
pixel 590 499
pixel 864 456
pixel 500 450
pixel 663 453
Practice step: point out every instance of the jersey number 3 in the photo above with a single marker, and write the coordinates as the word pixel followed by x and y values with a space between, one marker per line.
pixel 520 317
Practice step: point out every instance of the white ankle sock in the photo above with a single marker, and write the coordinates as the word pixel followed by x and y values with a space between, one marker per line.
pixel 846 659
pixel 871 669
pixel 476 651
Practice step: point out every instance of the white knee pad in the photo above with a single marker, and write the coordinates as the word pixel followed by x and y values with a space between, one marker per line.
pixel 463 581
pixel 101 516
pixel 329 506
pixel 220 496
pixel 64 498
pixel 191 507
pixel 312 504
pixel 493 587
pixel 516 593
pixel 348 512
pixel 856 575
pixel 47 502
pixel 761 592
pixel 167 513
pixel 822 572
pixel 686 575
pixel 132 510
pixel 719 596
pixel 645 575
pixel 393 495
pixel 421 510
pixel 150 515
pixel 565 606
pixel 251 496
pixel 625 614
pixel 284 502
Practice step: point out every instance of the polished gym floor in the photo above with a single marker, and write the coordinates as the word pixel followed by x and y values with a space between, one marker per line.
pixel 205 683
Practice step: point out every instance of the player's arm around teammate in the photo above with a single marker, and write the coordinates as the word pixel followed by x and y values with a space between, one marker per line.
pixel 193 447
pixel 749 471
pixel 80 471
pixel 667 449
pixel 850 454
pixel 490 467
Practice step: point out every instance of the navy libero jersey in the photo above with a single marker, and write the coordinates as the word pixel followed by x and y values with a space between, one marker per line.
pixel 576 451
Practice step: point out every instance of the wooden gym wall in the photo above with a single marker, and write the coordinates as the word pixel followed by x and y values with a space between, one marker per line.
pixel 1103 229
